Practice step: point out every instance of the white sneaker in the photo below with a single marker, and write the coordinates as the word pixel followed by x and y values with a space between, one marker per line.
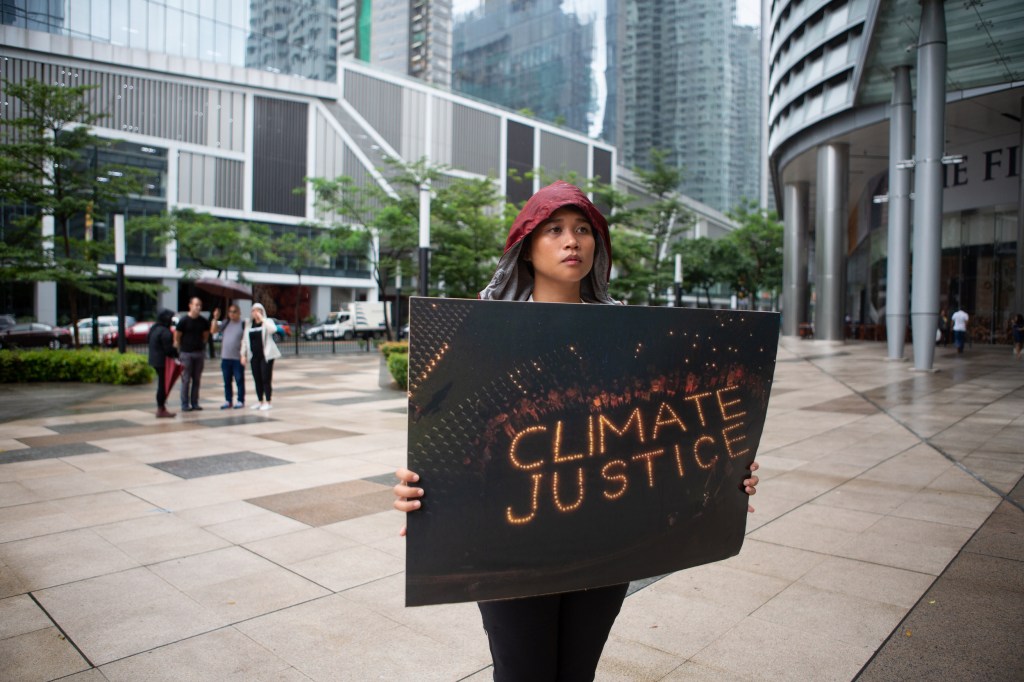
pixel 266 406
pixel 255 406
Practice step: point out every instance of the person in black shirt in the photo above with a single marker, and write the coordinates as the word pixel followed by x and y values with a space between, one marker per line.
pixel 190 339
pixel 161 347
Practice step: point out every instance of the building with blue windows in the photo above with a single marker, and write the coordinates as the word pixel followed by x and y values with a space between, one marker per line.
pixel 231 127
pixel 894 146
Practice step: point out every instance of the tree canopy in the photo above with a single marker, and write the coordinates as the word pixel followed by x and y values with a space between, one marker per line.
pixel 51 165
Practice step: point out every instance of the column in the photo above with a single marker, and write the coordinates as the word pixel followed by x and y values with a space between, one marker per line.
pixel 169 296
pixel 830 241
pixel 46 292
pixel 930 124
pixel 794 258
pixel 321 302
pixel 897 275
pixel 1019 280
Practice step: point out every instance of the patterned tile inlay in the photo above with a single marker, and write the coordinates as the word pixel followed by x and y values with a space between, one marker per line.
pixel 307 435
pixel 211 465
pixel 93 426
pixel 366 398
pixel 235 420
pixel 328 504
pixel 52 452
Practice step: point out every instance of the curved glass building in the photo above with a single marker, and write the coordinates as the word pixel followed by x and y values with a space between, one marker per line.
pixel 894 146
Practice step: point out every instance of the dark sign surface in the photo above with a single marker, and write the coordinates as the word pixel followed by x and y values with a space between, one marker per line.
pixel 562 447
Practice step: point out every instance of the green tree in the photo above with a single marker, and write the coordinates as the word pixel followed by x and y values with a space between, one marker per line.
pixel 205 242
pixel 50 165
pixel 382 222
pixel 702 261
pixel 664 219
pixel 467 233
pixel 757 263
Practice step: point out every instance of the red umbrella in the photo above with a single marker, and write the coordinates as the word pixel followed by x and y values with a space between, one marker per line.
pixel 224 288
pixel 172 370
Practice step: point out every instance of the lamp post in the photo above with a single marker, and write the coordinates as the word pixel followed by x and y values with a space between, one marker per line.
pixel 424 237
pixel 398 302
pixel 679 280
pixel 119 261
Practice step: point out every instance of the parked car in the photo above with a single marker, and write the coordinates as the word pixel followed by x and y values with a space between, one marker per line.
pixel 7 321
pixel 35 335
pixel 136 334
pixel 316 332
pixel 107 324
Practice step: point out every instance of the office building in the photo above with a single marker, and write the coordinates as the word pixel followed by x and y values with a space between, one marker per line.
pixel 895 149
pixel 410 37
pixel 235 141
pixel 687 79
pixel 536 56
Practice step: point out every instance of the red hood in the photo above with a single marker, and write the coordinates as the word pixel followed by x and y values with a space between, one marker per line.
pixel 549 199
pixel 513 281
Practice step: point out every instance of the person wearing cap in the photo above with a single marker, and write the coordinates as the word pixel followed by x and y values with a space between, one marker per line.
pixel 259 352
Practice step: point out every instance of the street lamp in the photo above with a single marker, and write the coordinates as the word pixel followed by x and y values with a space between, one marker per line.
pixel 424 236
pixel 679 280
pixel 119 261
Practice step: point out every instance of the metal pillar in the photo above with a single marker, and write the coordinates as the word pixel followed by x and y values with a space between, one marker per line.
pixel 424 253
pixel 897 276
pixel 1019 279
pixel 794 258
pixel 931 117
pixel 830 241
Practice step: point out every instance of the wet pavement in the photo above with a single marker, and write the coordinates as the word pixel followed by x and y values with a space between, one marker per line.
pixel 887 542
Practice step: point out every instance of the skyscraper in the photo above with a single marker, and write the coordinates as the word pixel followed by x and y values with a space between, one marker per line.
pixel 297 37
pixel 411 37
pixel 535 55
pixel 687 80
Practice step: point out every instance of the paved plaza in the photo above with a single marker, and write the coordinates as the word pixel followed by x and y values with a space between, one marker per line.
pixel 234 545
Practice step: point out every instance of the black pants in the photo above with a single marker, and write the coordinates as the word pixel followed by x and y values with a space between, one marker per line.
pixel 161 393
pixel 192 363
pixel 556 637
pixel 263 377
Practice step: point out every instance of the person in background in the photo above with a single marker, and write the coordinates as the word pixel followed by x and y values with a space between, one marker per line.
pixel 944 327
pixel 190 336
pixel 230 354
pixel 1017 330
pixel 161 347
pixel 259 351
pixel 558 251
pixel 960 319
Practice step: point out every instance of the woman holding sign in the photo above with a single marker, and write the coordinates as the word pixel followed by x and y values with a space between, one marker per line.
pixel 558 251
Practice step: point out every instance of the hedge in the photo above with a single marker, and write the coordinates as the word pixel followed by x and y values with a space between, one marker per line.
pixel 88 366
pixel 390 347
pixel 398 365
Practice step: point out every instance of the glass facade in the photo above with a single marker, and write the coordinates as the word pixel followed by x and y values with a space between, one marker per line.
pixel 533 56
pixel 294 37
pixel 410 37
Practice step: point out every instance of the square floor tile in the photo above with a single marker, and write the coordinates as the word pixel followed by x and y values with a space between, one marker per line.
pixel 307 435
pixel 102 425
pixel 126 613
pixel 211 465
pixel 50 452
pixel 328 504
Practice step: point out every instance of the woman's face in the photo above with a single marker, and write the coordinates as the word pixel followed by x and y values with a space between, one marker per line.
pixel 561 248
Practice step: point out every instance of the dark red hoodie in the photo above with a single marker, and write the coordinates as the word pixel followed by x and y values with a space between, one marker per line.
pixel 512 280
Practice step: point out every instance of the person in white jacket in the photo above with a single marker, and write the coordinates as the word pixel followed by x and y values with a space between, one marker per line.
pixel 259 351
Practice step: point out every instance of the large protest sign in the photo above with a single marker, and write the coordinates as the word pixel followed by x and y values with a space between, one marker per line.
pixel 562 447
